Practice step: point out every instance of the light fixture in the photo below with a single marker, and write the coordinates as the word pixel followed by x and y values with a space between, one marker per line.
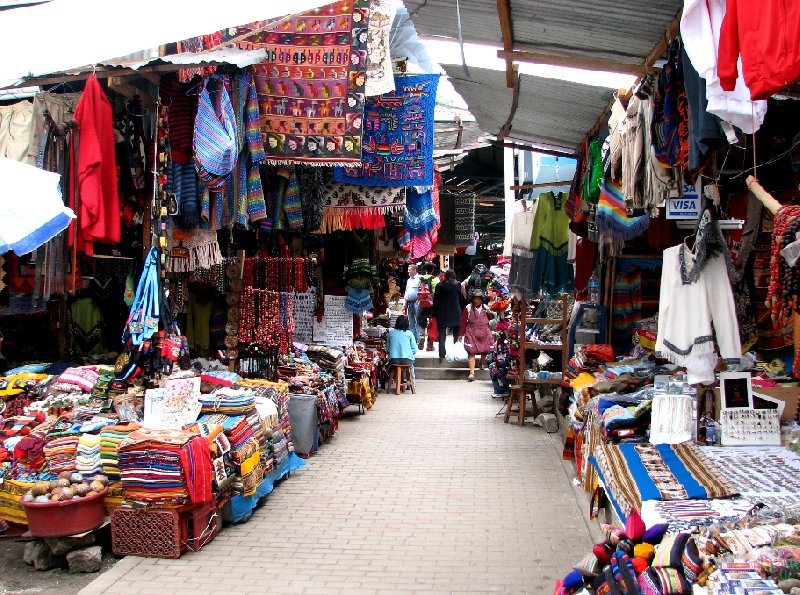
pixel 485 204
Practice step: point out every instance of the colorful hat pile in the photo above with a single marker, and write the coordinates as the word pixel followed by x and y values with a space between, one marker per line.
pixel 637 560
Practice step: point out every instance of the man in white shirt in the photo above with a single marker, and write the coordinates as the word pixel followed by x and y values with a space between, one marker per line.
pixel 410 297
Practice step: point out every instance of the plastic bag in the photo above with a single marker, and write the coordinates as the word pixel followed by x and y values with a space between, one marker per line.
pixel 455 352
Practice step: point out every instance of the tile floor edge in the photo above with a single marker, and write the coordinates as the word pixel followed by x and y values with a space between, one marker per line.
pixel 112 575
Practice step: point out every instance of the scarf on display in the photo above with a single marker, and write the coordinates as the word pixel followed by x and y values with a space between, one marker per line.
pixel 312 185
pixel 380 78
pixel 398 142
pixel 465 218
pixel 671 113
pixel 358 207
pixel 192 250
pixel 613 223
pixel 288 208
pixel 311 85
pixel 358 301
pixel 216 136
pixel 419 242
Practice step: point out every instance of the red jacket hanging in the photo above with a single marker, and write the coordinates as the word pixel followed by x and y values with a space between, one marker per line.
pixel 767 35
pixel 98 202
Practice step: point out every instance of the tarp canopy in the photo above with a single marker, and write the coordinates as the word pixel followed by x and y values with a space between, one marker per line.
pixel 65 34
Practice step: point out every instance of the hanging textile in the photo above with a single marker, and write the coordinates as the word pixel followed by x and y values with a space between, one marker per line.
pixel 465 218
pixel 551 273
pixel 398 142
pixel 97 203
pixel 358 207
pixel 671 112
pixel 199 249
pixel 216 135
pixel 180 100
pixel 612 221
pixel 311 86
pixel 521 254
pixel 312 183
pixel 380 78
pixel 447 220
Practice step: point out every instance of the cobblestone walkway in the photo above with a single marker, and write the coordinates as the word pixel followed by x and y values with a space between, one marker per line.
pixel 425 493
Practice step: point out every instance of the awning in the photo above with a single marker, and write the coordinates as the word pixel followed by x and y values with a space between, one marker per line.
pixel 66 34
pixel 32 211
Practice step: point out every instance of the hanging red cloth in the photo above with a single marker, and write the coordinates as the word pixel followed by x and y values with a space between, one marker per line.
pixel 97 199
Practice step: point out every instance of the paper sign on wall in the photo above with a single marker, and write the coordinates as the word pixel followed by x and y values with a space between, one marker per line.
pixel 305 304
pixel 336 328
pixel 686 206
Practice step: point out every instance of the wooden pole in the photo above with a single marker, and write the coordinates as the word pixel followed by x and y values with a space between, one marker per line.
pixel 507 31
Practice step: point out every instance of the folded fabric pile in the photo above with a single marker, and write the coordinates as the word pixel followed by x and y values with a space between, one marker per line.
pixel 87 459
pixel 328 358
pixel 245 453
pixel 20 425
pixel 228 402
pixel 84 378
pixel 61 450
pixel 165 468
pixel 110 439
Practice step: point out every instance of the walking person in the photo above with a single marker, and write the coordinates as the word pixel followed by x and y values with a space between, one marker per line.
pixel 427 285
pixel 401 345
pixel 447 309
pixel 499 366
pixel 475 331
pixel 410 297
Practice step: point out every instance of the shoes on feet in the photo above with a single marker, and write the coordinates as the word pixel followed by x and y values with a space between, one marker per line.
pixel 470 378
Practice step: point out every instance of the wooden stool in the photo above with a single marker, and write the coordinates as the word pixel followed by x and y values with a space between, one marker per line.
pixel 401 374
pixel 519 394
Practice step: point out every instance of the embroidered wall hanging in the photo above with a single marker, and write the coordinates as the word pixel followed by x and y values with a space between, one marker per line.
pixel 380 78
pixel 398 136
pixel 311 86
pixel 358 207
pixel 464 205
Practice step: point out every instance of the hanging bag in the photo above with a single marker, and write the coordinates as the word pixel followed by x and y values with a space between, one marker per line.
pixel 216 137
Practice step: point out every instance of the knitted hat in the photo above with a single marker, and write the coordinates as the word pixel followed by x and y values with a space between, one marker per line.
pixel 645 551
pixel 639 564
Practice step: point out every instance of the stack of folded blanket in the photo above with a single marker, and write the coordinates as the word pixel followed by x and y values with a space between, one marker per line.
pixel 87 459
pixel 110 439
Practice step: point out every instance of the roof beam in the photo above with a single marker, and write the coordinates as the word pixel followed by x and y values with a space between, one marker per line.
pixel 514 105
pixel 507 30
pixel 657 51
pixel 571 62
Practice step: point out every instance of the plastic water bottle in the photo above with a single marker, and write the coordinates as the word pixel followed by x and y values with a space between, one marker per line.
pixel 594 289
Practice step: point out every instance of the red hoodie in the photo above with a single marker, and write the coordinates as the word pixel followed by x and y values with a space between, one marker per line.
pixel 767 35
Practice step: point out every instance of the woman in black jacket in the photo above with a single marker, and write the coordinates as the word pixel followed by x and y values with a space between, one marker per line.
pixel 447 308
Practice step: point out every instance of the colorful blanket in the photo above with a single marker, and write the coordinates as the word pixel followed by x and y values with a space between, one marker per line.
pixel 635 473
pixel 612 219
pixel 311 86
pixel 398 140
pixel 358 207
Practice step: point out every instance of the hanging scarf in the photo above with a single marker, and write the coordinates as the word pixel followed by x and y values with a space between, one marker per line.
pixel 312 181
pixel 215 137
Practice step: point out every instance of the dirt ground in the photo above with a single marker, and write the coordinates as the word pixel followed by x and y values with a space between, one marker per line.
pixel 18 577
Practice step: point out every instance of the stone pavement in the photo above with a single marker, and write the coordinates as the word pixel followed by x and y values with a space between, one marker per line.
pixel 425 493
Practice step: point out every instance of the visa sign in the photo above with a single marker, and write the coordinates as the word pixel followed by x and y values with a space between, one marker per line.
pixel 686 206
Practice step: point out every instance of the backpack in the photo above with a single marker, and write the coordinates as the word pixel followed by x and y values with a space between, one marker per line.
pixel 424 293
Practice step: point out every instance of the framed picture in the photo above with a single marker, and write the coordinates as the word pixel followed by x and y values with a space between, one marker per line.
pixel 736 390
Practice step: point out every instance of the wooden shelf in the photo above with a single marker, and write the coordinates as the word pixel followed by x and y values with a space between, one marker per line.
pixel 537 381
pixel 543 321
pixel 529 345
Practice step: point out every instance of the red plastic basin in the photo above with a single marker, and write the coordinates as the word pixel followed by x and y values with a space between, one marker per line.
pixel 61 519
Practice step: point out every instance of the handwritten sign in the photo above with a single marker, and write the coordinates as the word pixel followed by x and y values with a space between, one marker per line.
pixel 336 328
pixel 304 306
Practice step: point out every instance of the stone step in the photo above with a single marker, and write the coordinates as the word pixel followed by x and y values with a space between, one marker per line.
pixel 427 372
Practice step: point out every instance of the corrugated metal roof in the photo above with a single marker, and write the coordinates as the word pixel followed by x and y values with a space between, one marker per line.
pixel 620 30
pixel 551 112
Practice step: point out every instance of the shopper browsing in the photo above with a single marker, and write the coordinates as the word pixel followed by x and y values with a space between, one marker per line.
pixel 401 345
pixel 475 331
pixel 447 309
pixel 427 285
pixel 410 297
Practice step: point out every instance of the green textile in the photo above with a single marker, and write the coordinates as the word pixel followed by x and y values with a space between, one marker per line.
pixel 594 172
pixel 550 243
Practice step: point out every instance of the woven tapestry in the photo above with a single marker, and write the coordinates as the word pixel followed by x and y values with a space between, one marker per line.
pixel 358 207
pixel 311 86
pixel 464 205
pixel 380 78
pixel 398 136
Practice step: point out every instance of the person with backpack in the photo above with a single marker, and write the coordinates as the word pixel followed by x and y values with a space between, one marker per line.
pixel 427 285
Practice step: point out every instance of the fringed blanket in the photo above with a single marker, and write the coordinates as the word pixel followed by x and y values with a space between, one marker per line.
pixel 612 219
pixel 358 207
pixel 193 249
pixel 398 137
pixel 311 86
pixel 635 473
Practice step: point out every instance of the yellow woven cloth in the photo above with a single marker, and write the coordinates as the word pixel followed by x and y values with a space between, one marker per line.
pixel 363 391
